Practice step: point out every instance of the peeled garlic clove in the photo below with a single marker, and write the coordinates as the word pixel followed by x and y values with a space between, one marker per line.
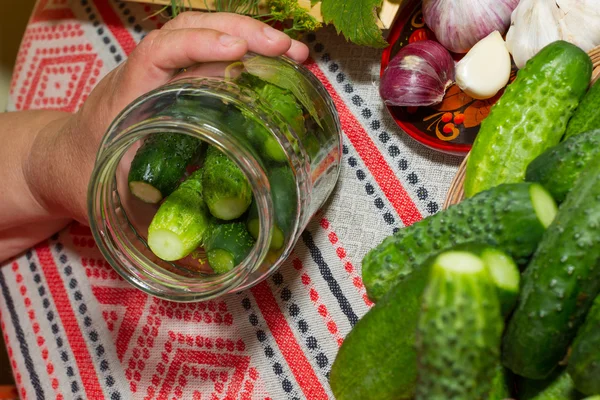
pixel 418 75
pixel 485 69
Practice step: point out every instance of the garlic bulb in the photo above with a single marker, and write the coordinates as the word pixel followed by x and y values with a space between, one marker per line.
pixel 418 75
pixel 459 24
pixel 537 23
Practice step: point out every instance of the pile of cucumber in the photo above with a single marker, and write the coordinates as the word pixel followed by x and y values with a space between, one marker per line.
pixel 497 297
pixel 204 200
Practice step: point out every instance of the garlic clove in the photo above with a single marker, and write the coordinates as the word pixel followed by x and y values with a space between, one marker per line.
pixel 485 69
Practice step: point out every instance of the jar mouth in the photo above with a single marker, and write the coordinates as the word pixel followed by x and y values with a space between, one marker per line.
pixel 121 244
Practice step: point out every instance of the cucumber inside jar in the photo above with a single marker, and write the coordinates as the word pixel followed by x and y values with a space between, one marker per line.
pixel 204 217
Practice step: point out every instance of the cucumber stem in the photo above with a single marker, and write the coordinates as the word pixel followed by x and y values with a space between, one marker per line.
pixel 166 244
pixel 220 260
pixel 145 192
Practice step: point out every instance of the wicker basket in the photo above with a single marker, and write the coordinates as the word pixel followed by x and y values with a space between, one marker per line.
pixel 456 191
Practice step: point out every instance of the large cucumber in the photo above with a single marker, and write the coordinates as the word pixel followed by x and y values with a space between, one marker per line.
pixel 459 330
pixel 500 384
pixel 559 285
pixel 227 192
pixel 378 358
pixel 587 115
pixel 159 165
pixel 512 217
pixel 558 386
pixel 530 117
pixel 584 363
pixel 557 168
pixel 181 222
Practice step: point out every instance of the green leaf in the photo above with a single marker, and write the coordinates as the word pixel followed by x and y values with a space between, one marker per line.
pixel 286 77
pixel 356 19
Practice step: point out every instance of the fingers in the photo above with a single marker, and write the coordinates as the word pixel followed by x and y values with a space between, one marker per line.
pixel 163 52
pixel 261 38
pixel 298 51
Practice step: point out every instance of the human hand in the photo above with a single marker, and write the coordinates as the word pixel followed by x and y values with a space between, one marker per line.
pixel 61 161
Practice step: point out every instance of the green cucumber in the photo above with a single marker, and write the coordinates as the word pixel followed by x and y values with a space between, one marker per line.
pixel 159 164
pixel 559 285
pixel 500 384
pixel 283 194
pixel 558 386
pixel 459 330
pixel 587 115
pixel 181 222
pixel 584 362
pixel 530 117
pixel 592 398
pixel 227 192
pixel 378 358
pixel 227 245
pixel 512 217
pixel 557 168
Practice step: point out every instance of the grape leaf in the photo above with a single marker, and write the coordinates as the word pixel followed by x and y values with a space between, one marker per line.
pixel 286 77
pixel 356 19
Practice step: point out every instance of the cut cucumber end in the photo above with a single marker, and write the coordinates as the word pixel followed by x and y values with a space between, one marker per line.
pixel 277 239
pixel 166 245
pixel 145 192
pixel 220 260
pixel 229 208
pixel 543 204
pixel 460 262
pixel 502 268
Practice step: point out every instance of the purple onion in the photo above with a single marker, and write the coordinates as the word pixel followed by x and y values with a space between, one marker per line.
pixel 459 24
pixel 418 75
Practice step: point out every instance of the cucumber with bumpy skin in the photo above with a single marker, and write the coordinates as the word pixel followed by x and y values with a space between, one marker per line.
pixel 181 222
pixel 587 115
pixel 159 164
pixel 558 386
pixel 500 384
pixel 511 217
pixel 378 359
pixel 530 117
pixel 559 285
pixel 227 192
pixel 227 245
pixel 459 330
pixel 558 168
pixel 584 362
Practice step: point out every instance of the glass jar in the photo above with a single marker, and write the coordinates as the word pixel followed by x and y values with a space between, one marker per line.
pixel 291 164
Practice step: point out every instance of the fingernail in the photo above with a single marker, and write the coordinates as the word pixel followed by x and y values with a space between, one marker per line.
pixel 228 41
pixel 272 33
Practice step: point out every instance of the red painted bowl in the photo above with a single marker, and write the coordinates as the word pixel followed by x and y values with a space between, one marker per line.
pixel 452 125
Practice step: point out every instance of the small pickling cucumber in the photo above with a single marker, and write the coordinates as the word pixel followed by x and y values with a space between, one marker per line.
pixel 584 362
pixel 511 217
pixel 557 168
pixel 284 197
pixel 559 284
pixel 558 386
pixel 530 117
pixel 587 115
pixel 159 164
pixel 459 330
pixel 378 359
pixel 226 245
pixel 227 192
pixel 180 224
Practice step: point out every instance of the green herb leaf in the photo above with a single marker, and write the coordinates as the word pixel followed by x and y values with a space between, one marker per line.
pixel 286 77
pixel 356 19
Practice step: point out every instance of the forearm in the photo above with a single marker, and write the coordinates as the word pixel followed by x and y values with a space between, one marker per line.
pixel 19 207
